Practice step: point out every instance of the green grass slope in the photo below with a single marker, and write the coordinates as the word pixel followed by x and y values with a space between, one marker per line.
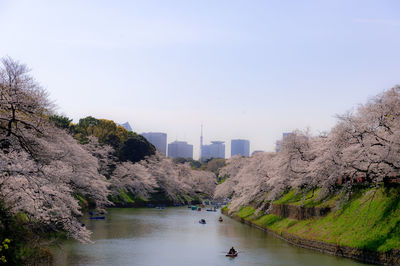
pixel 369 220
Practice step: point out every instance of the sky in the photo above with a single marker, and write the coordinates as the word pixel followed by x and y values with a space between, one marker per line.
pixel 247 69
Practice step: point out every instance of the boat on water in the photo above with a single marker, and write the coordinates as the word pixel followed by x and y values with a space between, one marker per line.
pixel 232 255
pixel 211 210
pixel 97 217
pixel 199 209
pixel 194 207
pixel 220 219
pixel 202 221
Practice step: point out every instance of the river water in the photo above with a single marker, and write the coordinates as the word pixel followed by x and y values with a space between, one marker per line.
pixel 173 236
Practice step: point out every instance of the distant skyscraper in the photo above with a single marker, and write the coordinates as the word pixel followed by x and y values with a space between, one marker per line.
pixel 240 147
pixel 214 150
pixel 127 126
pixel 278 142
pixel 205 153
pixel 158 139
pixel 178 149
pixel 278 146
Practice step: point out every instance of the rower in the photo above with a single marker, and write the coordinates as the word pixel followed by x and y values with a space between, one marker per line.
pixel 232 251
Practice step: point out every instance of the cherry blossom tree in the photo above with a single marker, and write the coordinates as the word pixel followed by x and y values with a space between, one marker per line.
pixel 158 174
pixel 42 167
pixel 363 147
pixel 24 106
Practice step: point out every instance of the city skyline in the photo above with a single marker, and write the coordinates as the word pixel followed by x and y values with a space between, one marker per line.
pixel 213 149
pixel 153 137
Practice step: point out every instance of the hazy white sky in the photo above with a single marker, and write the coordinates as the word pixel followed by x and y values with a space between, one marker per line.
pixel 245 69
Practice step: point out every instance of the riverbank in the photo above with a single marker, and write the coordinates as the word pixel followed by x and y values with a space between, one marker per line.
pixel 365 228
pixel 126 199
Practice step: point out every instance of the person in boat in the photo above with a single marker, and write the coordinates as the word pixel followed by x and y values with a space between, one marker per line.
pixel 232 251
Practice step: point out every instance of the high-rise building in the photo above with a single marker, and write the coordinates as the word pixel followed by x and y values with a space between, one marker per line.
pixel 158 139
pixel 240 147
pixel 178 149
pixel 214 150
pixel 278 142
pixel 205 153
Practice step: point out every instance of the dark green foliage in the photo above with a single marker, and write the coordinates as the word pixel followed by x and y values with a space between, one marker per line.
pixel 135 149
pixel 159 196
pixel 87 122
pixel 222 179
pixel 60 121
pixel 129 146
pixel 193 163
pixel 213 165
pixel 84 128
pixel 127 198
pixel 23 247
pixel 113 140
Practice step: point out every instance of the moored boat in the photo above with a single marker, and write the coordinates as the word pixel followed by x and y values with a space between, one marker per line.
pixel 97 217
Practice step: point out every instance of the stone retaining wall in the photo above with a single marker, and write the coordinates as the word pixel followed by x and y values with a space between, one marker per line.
pixel 297 212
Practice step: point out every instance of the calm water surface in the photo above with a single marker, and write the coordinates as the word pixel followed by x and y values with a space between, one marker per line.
pixel 173 236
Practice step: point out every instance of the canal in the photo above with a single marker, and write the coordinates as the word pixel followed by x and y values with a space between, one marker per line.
pixel 173 236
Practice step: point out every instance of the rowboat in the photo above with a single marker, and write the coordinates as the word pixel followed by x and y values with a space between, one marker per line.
pixel 97 218
pixel 232 255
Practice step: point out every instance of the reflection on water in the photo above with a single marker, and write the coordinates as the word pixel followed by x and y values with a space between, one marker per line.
pixel 173 236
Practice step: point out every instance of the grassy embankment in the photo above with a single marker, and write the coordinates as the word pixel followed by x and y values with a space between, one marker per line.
pixel 370 219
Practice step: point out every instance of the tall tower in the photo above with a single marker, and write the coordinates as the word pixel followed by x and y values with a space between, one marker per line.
pixel 201 143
